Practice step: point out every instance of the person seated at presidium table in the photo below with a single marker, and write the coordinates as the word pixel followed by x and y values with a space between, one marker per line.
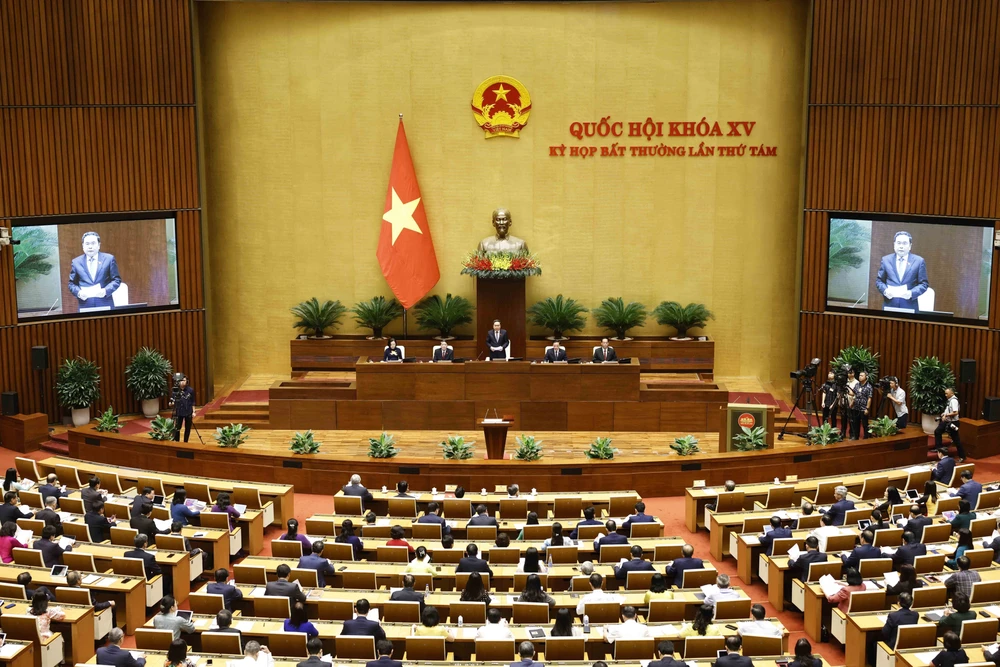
pixel 392 353
pixel 605 352
pixel 555 353
pixel 443 353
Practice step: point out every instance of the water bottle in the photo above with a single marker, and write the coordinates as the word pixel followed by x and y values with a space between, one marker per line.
pixel 586 624
pixel 549 567
pixel 413 629
pixel 460 622
pixel 427 590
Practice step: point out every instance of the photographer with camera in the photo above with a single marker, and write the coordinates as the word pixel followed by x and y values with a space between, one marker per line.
pixel 861 407
pixel 949 423
pixel 897 397
pixel 828 399
pixel 182 399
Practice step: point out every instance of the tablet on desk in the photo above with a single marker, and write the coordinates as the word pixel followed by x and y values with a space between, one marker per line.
pixel 864 524
pixel 912 494
pixel 186 614
pixel 158 500
pixel 59 570
pixel 896 518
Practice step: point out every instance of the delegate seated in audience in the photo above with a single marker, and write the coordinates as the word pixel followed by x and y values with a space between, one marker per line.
pixel 994 543
pixel 8 542
pixel 73 580
pixel 557 539
pixel 891 498
pixel 314 647
pixel 354 488
pixel 531 562
pixel 970 489
pixel 842 598
pixel 168 619
pixel 99 525
pixel 224 503
pixel 496 627
pixel 502 541
pixel 907 553
pixel 637 564
pixel 292 533
pixel 361 625
pixel 990 656
pixel 586 568
pixel 475 591
pixel 231 595
pixel 513 490
pixel 563 625
pixel 149 564
pixel 527 652
pixel 732 657
pixel 957 613
pixel 702 625
pixel 611 537
pixel 729 487
pixel 429 625
pixel 929 500
pixel 964 544
pixel 91 493
pixel 44 615
pixel 804 656
pixel 532 520
pixel 433 515
pixel 315 561
pixel 953 653
pixel 113 655
pixel 397 539
pixel 282 587
pixel 447 542
pixel 841 505
pixel 533 592
pixel 597 594
pixel 384 650
pixel 10 510
pixel 402 488
pixel 915 524
pixel 863 551
pixel 800 567
pixel 944 468
pixel 177 655
pixel 777 532
pixel 758 627
pixel 640 516
pixel 588 520
pixel 24 579
pixel 299 621
pixel 179 511
pixel 176 530
pixel 255 655
pixel 902 616
pixel 629 628
pixel 724 592
pixel 347 536
pixel 657 589
pixel 420 563
pixel 687 561
pixel 471 562
pixel 964 518
pixel 49 546
pixel 665 656
pixel 143 522
pixel 52 488
pixel 50 514
pixel 878 522
pixel 961 582
pixel 146 496
pixel 807 510
pixel 482 518
pixel 407 592
pixel 907 581
pixel 224 623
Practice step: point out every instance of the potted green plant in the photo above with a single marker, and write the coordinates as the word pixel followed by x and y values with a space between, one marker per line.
pixel 161 428
pixel 146 377
pixel 305 443
pixel 559 315
pixel 682 318
pixel 316 317
pixel 108 422
pixel 78 386
pixel 824 434
pixel 750 439
pixel 883 427
pixel 233 435
pixel 455 447
pixel 859 358
pixel 929 377
pixel 601 449
pixel 382 447
pixel 528 448
pixel 618 316
pixel 444 314
pixel 376 314
pixel 686 445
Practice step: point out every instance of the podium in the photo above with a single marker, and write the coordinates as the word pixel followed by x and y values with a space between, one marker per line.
pixel 737 415
pixel 495 434
pixel 501 299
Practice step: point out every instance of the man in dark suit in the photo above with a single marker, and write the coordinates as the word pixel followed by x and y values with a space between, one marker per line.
pixel 112 654
pixel 637 564
pixel 49 546
pixel 146 496
pixel 908 552
pixel 471 562
pixel 665 655
pixel 811 555
pixel 91 493
pixel 24 579
pixel 148 559
pixel 733 658
pixel 407 592
pixel 945 467
pixel 283 587
pixel 970 489
pixel 10 511
pixel 356 489
pixel 776 532
pixel 807 510
pixel 441 353
pixel 482 518
pixel 52 488
pixel 49 514
pixel 917 522
pixel 605 352
pixel 98 524
pixel 527 651
pixel 183 406
pixel 315 561
pixel 555 353
pixel 841 505
pixel 360 625
pixel 93 276
pixel 640 516
pixel 314 647
pixel 902 616
pixel 611 537
pixel 144 522
pixel 497 341
pixel 588 520
pixel 384 649
pixel 224 623
pixel 862 551
pixel 902 276
pixel 433 515
pixel 230 594
pixel 687 561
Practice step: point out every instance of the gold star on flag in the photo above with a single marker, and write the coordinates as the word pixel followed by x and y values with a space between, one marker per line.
pixel 400 216
pixel 501 93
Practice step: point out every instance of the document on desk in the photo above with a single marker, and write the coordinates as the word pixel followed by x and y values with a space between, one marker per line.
pixel 107 581
pixel 883 618
pixel 891 578
pixel 925 657
pixel 829 585
pixel 992 609
pixel 244 626
pixel 751 539
pixel 258 592
pixel 90 578
pixel 793 553
pixel 9 650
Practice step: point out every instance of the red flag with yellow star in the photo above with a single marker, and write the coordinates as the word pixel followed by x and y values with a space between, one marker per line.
pixel 405 249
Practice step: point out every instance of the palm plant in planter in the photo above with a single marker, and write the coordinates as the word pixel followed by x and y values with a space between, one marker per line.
pixel 376 314
pixel 146 377
pixel 316 317
pixel 682 318
pixel 444 314
pixel 619 316
pixel 78 385
pixel 559 315
pixel 859 358
pixel 929 377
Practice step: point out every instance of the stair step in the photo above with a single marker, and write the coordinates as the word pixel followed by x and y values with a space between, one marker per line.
pixel 243 406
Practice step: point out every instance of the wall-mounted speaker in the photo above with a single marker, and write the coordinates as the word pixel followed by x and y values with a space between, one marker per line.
pixel 8 403
pixel 991 408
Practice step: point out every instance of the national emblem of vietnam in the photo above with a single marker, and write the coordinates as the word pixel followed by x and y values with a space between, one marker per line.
pixel 501 106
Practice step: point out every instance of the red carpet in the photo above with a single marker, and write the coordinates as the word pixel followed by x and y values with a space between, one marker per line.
pixel 247 396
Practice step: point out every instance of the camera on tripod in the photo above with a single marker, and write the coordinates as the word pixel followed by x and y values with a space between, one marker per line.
pixel 176 392
pixel 807 373
pixel 883 383
pixel 840 376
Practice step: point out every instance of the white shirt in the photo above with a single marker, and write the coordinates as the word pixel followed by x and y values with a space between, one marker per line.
pixel 264 659
pixel 759 629
pixel 900 409
pixel 630 629
pixel 595 597
pixel 92 267
pixel 952 407
pixel 901 264
pixel 494 631
pixel 823 532
pixel 723 594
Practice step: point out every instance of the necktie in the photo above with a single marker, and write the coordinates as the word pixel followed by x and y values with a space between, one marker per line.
pixel 92 267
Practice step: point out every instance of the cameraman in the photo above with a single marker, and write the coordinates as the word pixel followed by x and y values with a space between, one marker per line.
pixel 949 422
pixel 897 397
pixel 828 398
pixel 183 400
pixel 861 408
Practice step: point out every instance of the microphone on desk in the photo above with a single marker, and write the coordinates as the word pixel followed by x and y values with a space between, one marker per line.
pixel 479 358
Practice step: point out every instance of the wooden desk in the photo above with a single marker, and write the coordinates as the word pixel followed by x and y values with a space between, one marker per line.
pixel 176 564
pixel 20 654
pixel 543 502
pixel 24 433
pixel 77 628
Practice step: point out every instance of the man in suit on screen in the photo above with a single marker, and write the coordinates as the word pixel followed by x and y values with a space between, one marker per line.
pixel 902 276
pixel 497 341
pixel 93 276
